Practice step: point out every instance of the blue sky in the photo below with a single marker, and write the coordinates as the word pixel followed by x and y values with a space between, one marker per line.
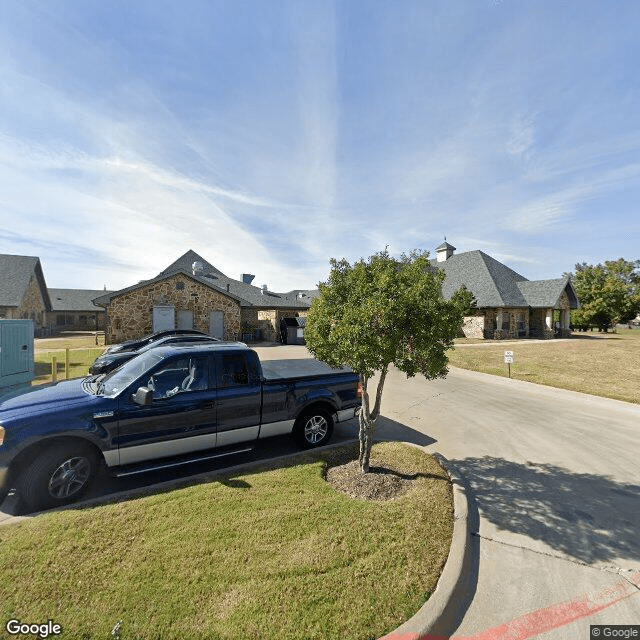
pixel 271 136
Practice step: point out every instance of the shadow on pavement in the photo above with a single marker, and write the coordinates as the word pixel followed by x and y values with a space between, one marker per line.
pixel 387 429
pixel 587 517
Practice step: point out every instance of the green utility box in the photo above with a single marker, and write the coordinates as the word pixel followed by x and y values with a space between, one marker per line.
pixel 16 355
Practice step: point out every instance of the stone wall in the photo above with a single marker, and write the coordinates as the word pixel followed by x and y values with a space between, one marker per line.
pixel 12 313
pixel 257 325
pixel 501 324
pixel 130 315
pixel 32 307
pixel 268 321
pixel 473 327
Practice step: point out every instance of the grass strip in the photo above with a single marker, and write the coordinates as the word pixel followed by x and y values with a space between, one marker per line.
pixel 275 554
pixel 605 365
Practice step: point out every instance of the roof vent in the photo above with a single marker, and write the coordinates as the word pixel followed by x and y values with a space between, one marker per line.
pixel 247 278
pixel 264 289
pixel 197 268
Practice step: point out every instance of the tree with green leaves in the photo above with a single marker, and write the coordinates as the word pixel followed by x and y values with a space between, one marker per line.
pixel 381 312
pixel 465 300
pixel 609 293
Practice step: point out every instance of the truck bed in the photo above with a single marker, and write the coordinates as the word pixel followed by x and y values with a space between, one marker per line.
pixel 274 370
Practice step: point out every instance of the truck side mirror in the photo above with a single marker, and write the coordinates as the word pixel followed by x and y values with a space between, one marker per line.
pixel 143 396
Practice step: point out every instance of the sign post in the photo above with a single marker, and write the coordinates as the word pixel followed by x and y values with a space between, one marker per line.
pixel 509 360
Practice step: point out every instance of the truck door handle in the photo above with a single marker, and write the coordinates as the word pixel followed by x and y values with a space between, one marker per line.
pixel 209 404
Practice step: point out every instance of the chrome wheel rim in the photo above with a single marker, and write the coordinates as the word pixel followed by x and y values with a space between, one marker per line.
pixel 315 429
pixel 70 477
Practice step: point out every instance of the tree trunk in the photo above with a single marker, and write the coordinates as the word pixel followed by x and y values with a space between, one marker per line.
pixel 368 419
pixel 367 428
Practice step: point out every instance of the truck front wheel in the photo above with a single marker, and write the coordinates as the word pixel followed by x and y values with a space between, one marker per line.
pixel 313 429
pixel 58 476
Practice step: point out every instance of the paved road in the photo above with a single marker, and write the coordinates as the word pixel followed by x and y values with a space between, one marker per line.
pixel 556 477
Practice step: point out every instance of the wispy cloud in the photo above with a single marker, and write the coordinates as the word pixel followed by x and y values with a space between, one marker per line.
pixel 559 208
pixel 272 137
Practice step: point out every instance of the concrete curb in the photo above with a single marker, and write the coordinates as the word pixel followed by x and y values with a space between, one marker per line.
pixel 439 617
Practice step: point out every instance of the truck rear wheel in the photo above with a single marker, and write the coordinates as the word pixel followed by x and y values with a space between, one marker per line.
pixel 313 428
pixel 58 476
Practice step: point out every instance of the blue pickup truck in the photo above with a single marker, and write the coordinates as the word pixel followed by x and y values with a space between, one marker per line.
pixel 168 406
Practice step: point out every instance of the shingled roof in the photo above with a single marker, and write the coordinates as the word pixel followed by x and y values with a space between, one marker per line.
pixel 493 284
pixel 246 294
pixel 545 293
pixel 75 299
pixel 15 274
pixel 185 262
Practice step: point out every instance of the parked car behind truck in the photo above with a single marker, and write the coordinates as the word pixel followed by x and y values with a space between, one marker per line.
pixel 170 405
pixel 110 361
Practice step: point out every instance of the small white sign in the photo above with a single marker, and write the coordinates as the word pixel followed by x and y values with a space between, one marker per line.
pixel 508 357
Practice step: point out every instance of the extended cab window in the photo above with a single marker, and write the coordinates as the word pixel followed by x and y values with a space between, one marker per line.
pixel 234 371
pixel 183 375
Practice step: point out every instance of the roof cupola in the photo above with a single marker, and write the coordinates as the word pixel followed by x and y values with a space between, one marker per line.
pixel 444 251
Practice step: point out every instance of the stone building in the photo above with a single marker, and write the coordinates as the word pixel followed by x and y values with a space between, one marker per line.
pixel 23 290
pixel 508 305
pixel 24 295
pixel 192 294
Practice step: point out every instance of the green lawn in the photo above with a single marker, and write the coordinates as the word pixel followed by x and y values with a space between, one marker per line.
pixel 79 362
pixel 277 554
pixel 598 364
pixel 71 340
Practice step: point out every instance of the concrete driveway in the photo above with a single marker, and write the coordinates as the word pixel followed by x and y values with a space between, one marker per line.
pixel 556 478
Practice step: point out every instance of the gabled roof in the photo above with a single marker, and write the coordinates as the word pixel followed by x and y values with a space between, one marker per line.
pixel 75 299
pixel 185 262
pixel 493 284
pixel 246 294
pixel 546 293
pixel 15 274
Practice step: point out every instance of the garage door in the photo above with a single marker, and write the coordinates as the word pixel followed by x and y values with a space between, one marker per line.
pixel 216 324
pixel 163 318
pixel 185 319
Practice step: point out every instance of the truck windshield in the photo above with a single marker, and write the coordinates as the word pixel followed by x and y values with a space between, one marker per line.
pixel 116 381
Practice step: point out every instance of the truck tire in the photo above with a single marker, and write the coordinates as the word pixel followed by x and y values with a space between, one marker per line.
pixel 58 476
pixel 313 428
